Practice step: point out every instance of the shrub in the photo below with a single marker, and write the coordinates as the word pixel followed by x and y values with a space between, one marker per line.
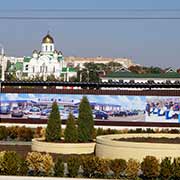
pixel 24 133
pixel 70 133
pixel 132 169
pixel 102 168
pixel 40 164
pixel 23 170
pixel 37 132
pixel 166 168
pixel 85 121
pixel 12 132
pixel 118 167
pixel 3 133
pixel 9 163
pixel 73 165
pixel 53 130
pixel 89 166
pixel 176 168
pixel 150 167
pixel 59 167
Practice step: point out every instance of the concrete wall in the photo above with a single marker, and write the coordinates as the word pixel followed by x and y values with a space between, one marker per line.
pixel 108 148
pixel 62 148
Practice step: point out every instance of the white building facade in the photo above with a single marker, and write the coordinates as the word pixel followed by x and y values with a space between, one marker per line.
pixel 44 63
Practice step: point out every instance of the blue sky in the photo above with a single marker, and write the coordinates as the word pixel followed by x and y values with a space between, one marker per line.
pixel 147 42
pixel 128 102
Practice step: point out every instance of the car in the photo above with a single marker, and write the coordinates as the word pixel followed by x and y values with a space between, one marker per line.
pixel 46 112
pixel 26 110
pixel 64 114
pixel 34 113
pixel 120 113
pixel 75 113
pixel 17 112
pixel 5 109
pixel 100 115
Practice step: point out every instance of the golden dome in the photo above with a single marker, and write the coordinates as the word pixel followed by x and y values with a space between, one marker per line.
pixel 48 39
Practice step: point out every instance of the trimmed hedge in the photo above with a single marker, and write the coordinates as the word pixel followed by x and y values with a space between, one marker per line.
pixel 89 166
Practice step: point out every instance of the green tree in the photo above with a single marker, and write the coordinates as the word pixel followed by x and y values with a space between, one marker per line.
pixel 59 167
pixel 53 130
pixel 73 165
pixel 71 133
pixel 85 121
pixel 166 168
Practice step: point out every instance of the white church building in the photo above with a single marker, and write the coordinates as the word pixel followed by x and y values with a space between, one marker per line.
pixel 46 62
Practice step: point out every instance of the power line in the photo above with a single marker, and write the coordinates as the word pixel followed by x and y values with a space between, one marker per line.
pixel 92 10
pixel 86 18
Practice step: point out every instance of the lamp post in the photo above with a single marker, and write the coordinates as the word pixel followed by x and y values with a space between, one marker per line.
pixel 3 65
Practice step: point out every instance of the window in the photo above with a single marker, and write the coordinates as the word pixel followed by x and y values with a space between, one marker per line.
pixel 51 48
pixel 26 67
pixel 46 47
pixel 33 69
pixel 53 69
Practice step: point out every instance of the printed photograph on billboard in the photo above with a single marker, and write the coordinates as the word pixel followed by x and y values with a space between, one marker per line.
pixel 104 107
pixel 162 109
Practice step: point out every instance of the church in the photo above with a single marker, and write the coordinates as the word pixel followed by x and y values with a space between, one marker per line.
pixel 44 63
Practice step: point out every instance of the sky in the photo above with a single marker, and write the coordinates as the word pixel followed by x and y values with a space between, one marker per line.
pixel 146 42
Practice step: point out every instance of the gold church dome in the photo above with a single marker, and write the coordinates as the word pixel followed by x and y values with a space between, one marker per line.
pixel 48 39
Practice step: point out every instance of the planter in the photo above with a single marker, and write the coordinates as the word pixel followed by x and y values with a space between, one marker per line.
pixel 107 147
pixel 40 145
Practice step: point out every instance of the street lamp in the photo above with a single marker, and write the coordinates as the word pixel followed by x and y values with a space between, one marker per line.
pixel 2 63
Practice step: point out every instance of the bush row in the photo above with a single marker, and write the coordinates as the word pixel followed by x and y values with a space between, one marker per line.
pixel 26 134
pixel 19 133
pixel 89 166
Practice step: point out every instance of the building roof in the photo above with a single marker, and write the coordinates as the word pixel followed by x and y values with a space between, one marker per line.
pixel 120 74
pixel 48 39
pixel 68 69
pixel 26 59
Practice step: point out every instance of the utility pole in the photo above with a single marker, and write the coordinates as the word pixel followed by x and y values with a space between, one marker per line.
pixel 3 64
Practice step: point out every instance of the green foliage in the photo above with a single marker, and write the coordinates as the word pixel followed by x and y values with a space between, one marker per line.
pixel 3 133
pixel 89 166
pixel 132 169
pixel 23 170
pixel 85 121
pixel 150 167
pixel 71 133
pixel 53 130
pixel 73 165
pixel 176 168
pixel 102 168
pixel 13 132
pixel 166 168
pixel 118 167
pixel 59 167
pixel 9 163
pixel 25 134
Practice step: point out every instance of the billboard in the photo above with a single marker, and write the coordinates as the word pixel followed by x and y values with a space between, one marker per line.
pixel 104 107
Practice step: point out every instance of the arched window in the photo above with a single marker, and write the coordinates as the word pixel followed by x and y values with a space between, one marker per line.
pixel 46 48
pixel 26 67
pixel 33 69
pixel 51 48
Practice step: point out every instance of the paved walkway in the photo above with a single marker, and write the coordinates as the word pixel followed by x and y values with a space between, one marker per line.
pixel 21 143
